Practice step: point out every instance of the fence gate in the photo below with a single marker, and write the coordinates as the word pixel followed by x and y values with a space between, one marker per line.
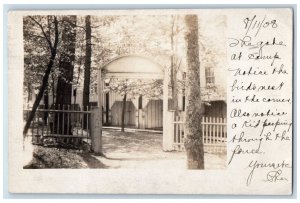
pixel 214 133
pixel 154 114
pixel 116 113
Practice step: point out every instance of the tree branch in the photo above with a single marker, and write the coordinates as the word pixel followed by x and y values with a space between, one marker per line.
pixel 74 25
pixel 38 36
pixel 43 31
pixel 56 34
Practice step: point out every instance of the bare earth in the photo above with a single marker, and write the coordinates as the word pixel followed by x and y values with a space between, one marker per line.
pixel 144 150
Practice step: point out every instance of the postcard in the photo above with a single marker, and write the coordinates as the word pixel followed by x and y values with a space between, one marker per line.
pixel 151 101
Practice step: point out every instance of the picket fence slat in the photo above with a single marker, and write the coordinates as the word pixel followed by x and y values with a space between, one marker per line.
pixel 214 132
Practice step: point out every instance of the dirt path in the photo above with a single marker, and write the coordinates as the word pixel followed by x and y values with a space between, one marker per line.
pixel 144 150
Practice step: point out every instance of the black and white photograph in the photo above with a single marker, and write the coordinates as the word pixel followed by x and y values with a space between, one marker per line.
pixel 124 91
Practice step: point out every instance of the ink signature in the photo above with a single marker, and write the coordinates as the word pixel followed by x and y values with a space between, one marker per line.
pixel 273 176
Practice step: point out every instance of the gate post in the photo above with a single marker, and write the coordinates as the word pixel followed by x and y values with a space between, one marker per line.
pixel 96 119
pixel 167 122
pixel 96 131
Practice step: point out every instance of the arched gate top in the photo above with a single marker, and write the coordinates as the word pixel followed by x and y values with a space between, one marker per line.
pixel 132 66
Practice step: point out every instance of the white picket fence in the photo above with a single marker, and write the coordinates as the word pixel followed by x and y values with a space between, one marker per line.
pixel 214 134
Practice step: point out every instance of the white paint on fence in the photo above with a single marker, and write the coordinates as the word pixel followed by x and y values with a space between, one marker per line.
pixel 214 133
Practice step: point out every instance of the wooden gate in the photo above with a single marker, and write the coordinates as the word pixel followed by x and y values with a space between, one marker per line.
pixel 154 114
pixel 116 113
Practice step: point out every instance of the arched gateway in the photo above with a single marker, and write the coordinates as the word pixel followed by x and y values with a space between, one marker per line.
pixel 135 67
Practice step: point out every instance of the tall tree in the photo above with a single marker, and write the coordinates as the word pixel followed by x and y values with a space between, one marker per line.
pixel 193 129
pixel 174 30
pixel 66 68
pixel 123 112
pixel 51 42
pixel 46 105
pixel 87 66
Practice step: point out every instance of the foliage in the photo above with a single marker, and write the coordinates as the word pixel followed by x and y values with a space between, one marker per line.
pixel 112 36
pixel 36 50
pixel 38 32
pixel 135 87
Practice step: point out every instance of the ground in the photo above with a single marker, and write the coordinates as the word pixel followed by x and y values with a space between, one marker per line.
pixel 45 157
pixel 122 150
pixel 144 150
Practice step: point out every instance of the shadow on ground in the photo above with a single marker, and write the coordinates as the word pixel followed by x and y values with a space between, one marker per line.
pixel 91 161
pixel 53 158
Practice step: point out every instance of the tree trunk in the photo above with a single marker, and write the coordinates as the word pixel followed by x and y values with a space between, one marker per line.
pixel 53 89
pixel 123 113
pixel 45 79
pixel 29 93
pixel 107 108
pixel 75 96
pixel 174 30
pixel 87 67
pixel 174 85
pixel 193 128
pixel 66 68
pixel 46 103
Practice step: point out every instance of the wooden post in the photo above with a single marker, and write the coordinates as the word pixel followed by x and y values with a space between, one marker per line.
pixel 171 119
pixel 96 131
pixel 167 123
pixel 96 120
pixel 137 118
